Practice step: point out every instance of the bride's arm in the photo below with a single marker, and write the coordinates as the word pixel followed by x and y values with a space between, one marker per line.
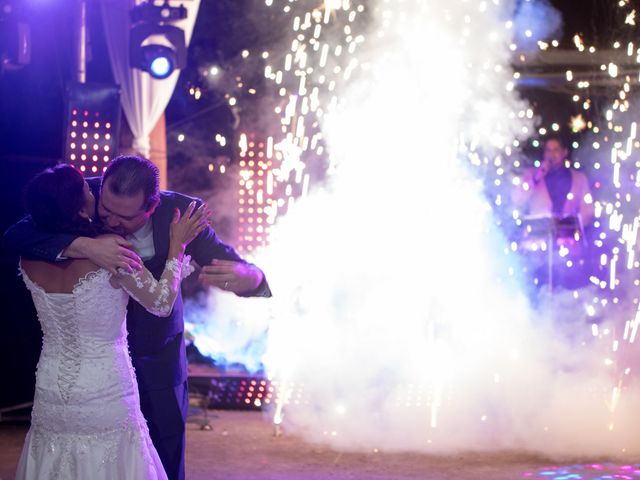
pixel 158 296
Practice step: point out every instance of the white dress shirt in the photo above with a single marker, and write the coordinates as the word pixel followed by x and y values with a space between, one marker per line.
pixel 142 240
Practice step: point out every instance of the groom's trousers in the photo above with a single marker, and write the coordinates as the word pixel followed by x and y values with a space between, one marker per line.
pixel 166 414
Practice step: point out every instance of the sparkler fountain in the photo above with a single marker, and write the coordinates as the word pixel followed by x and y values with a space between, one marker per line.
pixel 398 320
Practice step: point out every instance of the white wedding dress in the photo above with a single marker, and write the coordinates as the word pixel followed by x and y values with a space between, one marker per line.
pixel 86 421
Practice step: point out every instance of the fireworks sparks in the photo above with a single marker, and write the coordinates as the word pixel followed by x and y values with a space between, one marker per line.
pixel 401 125
pixel 616 203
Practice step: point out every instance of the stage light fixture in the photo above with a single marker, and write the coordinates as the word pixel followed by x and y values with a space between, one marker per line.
pixel 258 194
pixel 155 46
pixel 162 61
pixel 92 128
pixel 234 392
pixel 157 13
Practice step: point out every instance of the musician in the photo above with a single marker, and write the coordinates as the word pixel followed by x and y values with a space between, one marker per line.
pixel 554 188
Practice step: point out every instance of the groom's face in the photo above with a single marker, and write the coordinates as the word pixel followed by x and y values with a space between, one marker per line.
pixel 125 214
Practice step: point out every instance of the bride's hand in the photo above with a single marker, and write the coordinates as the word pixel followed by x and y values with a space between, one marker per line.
pixel 184 228
pixel 111 252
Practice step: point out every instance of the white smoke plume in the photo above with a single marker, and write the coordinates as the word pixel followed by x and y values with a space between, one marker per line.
pixel 393 325
pixel 535 20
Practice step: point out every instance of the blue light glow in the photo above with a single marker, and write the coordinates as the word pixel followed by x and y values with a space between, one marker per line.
pixel 160 67
pixel 587 472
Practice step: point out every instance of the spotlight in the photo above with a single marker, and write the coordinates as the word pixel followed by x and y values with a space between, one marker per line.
pixel 157 49
pixel 163 60
pixel 154 46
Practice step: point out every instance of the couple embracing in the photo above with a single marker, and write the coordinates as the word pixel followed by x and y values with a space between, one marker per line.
pixel 103 260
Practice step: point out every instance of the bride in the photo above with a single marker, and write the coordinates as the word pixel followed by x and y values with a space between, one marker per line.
pixel 86 420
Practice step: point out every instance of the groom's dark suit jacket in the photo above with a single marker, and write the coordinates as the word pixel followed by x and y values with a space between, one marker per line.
pixel 156 344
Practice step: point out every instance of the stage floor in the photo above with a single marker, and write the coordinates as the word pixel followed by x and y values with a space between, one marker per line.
pixel 242 446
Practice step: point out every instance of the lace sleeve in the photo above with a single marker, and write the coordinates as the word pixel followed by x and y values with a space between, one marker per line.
pixel 157 296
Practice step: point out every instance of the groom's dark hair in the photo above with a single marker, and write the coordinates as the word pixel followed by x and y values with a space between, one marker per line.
pixel 131 174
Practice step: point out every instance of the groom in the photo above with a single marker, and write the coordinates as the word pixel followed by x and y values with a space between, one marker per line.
pixel 130 203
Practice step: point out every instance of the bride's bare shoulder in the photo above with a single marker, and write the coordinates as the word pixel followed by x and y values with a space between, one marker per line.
pixel 57 276
pixel 71 265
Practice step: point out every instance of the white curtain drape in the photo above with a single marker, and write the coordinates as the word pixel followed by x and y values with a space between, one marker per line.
pixel 143 98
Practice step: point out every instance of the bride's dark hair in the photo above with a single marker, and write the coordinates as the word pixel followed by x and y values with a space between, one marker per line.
pixel 54 199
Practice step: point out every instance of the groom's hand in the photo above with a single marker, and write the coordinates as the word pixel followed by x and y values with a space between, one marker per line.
pixel 110 252
pixel 236 277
